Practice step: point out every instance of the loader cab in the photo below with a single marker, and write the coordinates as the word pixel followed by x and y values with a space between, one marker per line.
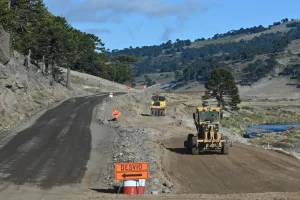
pixel 157 100
pixel 158 106
pixel 208 115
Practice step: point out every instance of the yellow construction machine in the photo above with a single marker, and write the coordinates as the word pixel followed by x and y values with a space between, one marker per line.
pixel 208 137
pixel 158 106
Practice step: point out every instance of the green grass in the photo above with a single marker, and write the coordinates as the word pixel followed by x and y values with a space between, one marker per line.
pixel 257 115
pixel 162 78
pixel 237 38
pixel 280 140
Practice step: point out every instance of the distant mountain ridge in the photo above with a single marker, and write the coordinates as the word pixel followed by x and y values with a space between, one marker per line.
pixel 251 53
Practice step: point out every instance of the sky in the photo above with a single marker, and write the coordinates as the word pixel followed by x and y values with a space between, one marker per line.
pixel 124 23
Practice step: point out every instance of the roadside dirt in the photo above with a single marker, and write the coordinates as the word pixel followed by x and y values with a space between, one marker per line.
pixel 29 159
pixel 246 170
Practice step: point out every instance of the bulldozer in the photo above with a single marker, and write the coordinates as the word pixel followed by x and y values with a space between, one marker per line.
pixel 158 106
pixel 208 137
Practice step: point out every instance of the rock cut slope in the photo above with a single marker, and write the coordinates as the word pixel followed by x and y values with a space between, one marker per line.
pixel 24 91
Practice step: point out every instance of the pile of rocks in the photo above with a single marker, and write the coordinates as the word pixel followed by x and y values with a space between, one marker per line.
pixel 134 144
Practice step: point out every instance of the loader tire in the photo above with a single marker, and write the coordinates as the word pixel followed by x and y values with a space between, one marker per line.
pixel 152 113
pixel 195 149
pixel 225 146
pixel 201 148
pixel 160 113
pixel 190 143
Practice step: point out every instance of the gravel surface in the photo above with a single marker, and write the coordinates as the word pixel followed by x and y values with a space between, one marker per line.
pixel 134 144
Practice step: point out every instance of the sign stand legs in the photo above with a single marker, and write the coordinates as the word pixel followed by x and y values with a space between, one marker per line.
pixel 120 188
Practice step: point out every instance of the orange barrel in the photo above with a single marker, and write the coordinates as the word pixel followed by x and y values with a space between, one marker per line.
pixel 134 187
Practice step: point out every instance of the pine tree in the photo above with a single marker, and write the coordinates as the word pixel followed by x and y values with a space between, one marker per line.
pixel 221 86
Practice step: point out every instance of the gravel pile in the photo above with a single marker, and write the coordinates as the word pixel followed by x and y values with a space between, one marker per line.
pixel 134 144
pixel 234 137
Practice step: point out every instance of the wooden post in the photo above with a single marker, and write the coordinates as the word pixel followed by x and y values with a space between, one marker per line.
pixel 53 73
pixel 69 78
pixel 43 66
pixel 10 38
pixel 29 58
pixel 28 61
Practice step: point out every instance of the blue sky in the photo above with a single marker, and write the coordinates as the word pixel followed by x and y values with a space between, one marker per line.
pixel 124 23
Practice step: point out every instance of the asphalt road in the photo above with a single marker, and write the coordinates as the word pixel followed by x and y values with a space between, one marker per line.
pixel 55 150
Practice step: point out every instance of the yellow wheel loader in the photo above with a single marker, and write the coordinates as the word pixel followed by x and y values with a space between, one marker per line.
pixel 158 106
pixel 208 137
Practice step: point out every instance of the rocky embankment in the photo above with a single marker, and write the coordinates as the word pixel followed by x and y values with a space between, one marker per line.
pixel 25 90
pixel 134 144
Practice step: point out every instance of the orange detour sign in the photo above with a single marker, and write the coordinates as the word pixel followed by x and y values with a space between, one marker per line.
pixel 116 114
pixel 131 171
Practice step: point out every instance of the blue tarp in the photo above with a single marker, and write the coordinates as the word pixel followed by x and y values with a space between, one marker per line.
pixel 265 128
pixel 274 127
pixel 250 135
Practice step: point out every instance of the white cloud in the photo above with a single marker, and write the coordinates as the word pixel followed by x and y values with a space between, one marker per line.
pixel 114 11
pixel 100 11
pixel 97 31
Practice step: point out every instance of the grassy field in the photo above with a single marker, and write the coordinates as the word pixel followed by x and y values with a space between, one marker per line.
pixel 159 78
pixel 267 112
pixel 198 44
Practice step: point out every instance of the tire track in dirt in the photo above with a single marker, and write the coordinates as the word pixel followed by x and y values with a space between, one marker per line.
pixel 216 176
pixel 249 172
pixel 246 170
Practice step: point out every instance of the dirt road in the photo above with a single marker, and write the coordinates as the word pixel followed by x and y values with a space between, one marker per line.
pixel 245 170
pixel 64 155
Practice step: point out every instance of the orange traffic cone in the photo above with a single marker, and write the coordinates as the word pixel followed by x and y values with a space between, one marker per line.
pixel 116 114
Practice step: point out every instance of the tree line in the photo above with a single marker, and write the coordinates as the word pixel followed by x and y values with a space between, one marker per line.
pixel 169 56
pixel 200 61
pixel 54 41
pixel 157 50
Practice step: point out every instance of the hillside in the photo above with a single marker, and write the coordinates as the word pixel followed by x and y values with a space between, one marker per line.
pixel 25 91
pixel 33 75
pixel 251 53
pixel 50 40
